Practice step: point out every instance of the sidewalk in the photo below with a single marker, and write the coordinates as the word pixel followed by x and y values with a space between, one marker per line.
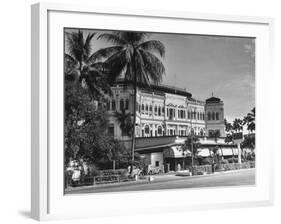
pixel 157 179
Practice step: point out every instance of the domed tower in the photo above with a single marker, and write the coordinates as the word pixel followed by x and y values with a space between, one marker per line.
pixel 214 111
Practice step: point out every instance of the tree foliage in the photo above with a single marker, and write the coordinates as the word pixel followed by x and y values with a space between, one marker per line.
pixel 134 56
pixel 85 67
pixel 192 141
pixel 85 129
pixel 249 120
pixel 125 121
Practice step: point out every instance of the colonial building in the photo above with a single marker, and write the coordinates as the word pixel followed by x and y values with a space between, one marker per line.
pixel 165 116
pixel 166 111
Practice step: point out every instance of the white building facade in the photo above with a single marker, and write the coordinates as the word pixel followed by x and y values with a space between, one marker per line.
pixel 165 111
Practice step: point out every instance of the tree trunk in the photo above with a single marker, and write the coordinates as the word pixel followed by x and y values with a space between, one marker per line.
pixel 134 113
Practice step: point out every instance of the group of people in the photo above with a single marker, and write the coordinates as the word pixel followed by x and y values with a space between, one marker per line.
pixel 76 170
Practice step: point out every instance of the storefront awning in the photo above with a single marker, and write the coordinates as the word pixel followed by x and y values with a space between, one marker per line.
pixel 204 152
pixel 227 152
pixel 175 152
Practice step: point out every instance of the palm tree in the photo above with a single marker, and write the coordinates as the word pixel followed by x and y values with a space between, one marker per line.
pixel 249 120
pixel 215 134
pixel 85 67
pixel 192 144
pixel 228 126
pixel 124 119
pixel 133 55
pixel 237 125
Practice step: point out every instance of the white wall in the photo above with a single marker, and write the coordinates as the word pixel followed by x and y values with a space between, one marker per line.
pixel 15 110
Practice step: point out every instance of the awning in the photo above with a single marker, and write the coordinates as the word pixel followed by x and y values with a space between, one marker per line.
pixel 227 152
pixel 204 152
pixel 175 152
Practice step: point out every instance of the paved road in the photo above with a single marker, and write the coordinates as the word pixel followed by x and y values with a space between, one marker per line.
pixel 236 178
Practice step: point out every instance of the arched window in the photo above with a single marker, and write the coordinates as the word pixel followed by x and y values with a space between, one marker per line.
pixel 171 113
pixel 188 114
pixel 150 108
pixel 121 104
pixel 146 129
pixel 113 105
pixel 146 107
pixel 201 132
pixel 217 115
pixel 159 111
pixel 142 107
pixel 163 110
pixel 107 105
pixel 159 130
pixel 213 116
pixel 127 104
pixel 209 116
pixel 203 116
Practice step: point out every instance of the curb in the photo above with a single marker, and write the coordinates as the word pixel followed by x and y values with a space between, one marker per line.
pixel 146 180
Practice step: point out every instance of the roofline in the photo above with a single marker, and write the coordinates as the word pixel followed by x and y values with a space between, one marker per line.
pixel 160 87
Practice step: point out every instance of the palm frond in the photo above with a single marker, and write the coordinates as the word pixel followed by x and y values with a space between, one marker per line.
pixel 75 45
pixel 103 53
pixel 142 76
pixel 113 38
pixel 133 37
pixel 87 45
pixel 153 46
pixel 153 66
pixel 116 63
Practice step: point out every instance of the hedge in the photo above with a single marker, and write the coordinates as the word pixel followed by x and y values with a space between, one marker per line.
pixel 235 166
pixel 199 170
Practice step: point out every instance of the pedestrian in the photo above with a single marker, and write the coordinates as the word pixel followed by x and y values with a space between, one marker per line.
pixel 179 167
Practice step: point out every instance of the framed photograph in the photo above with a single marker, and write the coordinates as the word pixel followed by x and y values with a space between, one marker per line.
pixel 152 109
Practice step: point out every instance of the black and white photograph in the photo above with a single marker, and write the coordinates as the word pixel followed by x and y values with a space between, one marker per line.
pixel 157 111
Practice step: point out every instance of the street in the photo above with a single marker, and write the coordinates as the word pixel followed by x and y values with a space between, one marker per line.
pixel 236 178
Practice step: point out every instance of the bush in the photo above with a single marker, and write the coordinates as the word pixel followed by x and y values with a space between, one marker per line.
pixel 120 172
pixel 93 170
pixel 224 161
pixel 207 161
pixel 236 166
pixel 232 160
pixel 199 170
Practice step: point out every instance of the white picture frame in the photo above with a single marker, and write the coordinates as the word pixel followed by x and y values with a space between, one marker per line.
pixel 47 200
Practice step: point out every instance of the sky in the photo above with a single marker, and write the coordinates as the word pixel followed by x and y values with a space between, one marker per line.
pixel 205 65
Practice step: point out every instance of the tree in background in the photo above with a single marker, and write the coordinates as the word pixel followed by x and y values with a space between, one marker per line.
pixel 125 122
pixel 215 135
pixel 85 67
pixel 228 130
pixel 237 125
pixel 133 55
pixel 249 120
pixel 191 144
pixel 84 125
